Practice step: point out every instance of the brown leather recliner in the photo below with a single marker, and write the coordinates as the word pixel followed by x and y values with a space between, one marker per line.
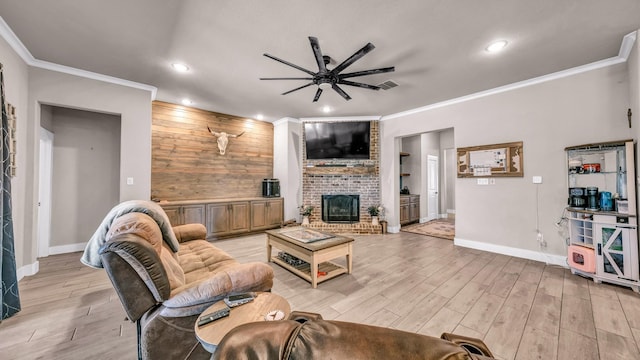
pixel 164 291
pixel 307 336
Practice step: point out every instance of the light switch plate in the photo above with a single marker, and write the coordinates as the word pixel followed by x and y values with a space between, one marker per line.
pixel 129 181
pixel 483 181
pixel 537 179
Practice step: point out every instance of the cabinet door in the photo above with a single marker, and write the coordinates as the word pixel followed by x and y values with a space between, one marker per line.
pixel 414 211
pixel 616 255
pixel 275 212
pixel 259 214
pixel 404 213
pixel 173 213
pixel 239 216
pixel 218 219
pixel 193 214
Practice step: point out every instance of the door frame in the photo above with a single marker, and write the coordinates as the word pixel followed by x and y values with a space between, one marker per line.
pixel 433 174
pixel 44 191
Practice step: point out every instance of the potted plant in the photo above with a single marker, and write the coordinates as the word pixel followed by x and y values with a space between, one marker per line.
pixel 374 211
pixel 306 211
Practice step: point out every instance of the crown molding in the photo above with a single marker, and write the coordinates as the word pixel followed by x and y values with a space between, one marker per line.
pixel 341 118
pixel 10 37
pixel 625 49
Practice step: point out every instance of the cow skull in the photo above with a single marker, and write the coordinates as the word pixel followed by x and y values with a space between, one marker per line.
pixel 223 139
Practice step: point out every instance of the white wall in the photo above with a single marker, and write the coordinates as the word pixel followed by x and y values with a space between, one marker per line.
pixel 287 164
pixel 447 172
pixel 549 116
pixel 86 172
pixel 26 88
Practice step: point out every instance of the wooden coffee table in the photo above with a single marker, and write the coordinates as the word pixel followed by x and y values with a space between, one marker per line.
pixel 210 334
pixel 316 253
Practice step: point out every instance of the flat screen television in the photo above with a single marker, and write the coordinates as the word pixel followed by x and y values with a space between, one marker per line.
pixel 337 140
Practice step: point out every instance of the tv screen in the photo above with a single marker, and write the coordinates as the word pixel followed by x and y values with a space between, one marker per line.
pixel 337 140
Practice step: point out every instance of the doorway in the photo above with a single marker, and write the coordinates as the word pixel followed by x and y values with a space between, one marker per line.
pixel 79 178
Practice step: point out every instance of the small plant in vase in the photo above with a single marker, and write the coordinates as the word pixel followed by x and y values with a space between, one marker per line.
pixel 306 211
pixel 375 211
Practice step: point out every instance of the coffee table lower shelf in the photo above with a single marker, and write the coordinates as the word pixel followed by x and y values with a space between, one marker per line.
pixel 304 271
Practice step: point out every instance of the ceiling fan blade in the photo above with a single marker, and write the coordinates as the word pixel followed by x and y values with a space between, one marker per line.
pixel 318 93
pixel 358 84
pixel 340 91
pixel 315 46
pixel 290 64
pixel 298 88
pixel 367 72
pixel 353 58
pixel 287 78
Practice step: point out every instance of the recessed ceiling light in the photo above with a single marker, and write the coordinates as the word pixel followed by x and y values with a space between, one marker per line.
pixel 186 102
pixel 496 46
pixel 260 117
pixel 180 67
pixel 326 109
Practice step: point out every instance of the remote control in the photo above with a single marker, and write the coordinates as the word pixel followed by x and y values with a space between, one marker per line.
pixel 205 319
pixel 237 300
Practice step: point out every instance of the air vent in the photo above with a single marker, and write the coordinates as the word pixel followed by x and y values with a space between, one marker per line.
pixel 387 85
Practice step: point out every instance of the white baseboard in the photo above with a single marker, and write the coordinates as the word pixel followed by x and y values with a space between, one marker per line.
pixel 393 229
pixel 65 249
pixel 506 250
pixel 28 270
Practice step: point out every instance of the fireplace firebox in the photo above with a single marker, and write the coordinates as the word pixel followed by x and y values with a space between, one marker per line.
pixel 341 208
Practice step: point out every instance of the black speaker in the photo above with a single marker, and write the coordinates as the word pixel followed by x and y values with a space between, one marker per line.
pixel 271 188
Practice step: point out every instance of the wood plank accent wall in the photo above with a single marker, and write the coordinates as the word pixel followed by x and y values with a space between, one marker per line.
pixel 186 163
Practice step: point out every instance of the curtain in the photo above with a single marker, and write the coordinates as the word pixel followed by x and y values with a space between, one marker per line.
pixel 9 286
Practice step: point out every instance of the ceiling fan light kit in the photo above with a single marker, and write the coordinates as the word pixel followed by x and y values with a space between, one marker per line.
pixel 325 78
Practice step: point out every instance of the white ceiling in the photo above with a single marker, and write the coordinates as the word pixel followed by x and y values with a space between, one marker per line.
pixel 436 46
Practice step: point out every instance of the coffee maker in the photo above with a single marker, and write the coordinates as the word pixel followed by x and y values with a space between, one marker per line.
pixel 578 197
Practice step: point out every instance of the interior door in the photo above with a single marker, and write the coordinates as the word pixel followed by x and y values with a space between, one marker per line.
pixel 432 187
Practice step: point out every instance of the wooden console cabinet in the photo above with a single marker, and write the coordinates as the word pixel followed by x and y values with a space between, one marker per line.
pixel 227 217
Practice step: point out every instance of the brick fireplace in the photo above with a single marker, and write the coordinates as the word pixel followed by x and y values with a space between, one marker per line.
pixel 341 176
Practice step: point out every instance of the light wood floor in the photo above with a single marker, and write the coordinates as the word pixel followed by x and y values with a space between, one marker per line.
pixel 522 309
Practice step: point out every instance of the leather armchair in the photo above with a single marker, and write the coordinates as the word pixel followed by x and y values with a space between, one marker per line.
pixel 165 291
pixel 307 337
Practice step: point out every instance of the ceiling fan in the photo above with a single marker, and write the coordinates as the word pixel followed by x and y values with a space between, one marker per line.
pixel 326 78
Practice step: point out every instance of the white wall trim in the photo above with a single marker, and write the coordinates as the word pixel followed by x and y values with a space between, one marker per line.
pixel 342 118
pixel 65 249
pixel 511 251
pixel 28 270
pixel 627 45
pixel 623 54
pixel 10 37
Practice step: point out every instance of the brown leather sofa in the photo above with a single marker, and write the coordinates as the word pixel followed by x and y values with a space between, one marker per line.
pixel 165 291
pixel 307 336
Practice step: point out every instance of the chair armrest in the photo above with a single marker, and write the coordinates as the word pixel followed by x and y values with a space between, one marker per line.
pixel 190 232
pixel 136 272
pixel 195 297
